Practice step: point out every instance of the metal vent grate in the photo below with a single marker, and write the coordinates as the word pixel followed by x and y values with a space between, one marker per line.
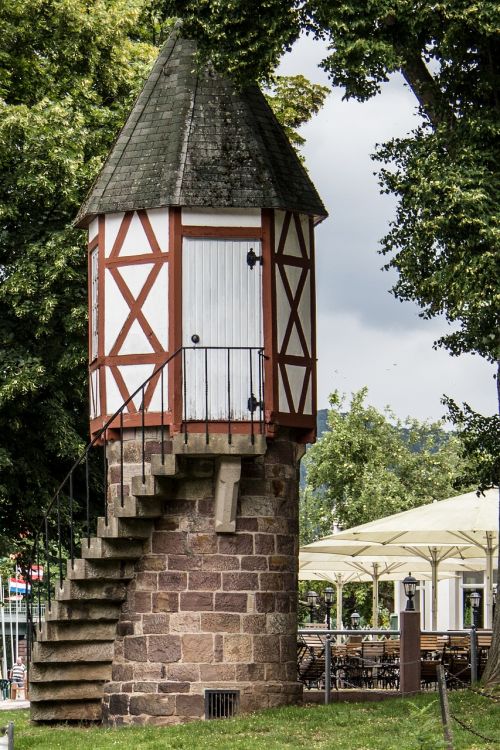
pixel 221 704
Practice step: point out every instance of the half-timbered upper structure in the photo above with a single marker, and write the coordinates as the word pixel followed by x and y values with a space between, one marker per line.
pixel 201 244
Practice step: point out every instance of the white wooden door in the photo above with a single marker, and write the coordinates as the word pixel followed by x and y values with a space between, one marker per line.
pixel 222 308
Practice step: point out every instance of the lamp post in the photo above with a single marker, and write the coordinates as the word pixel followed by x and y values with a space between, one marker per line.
pixel 355 618
pixel 312 599
pixel 475 601
pixel 328 596
pixel 410 587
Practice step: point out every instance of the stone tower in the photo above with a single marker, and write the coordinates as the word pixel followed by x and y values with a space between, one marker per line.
pixel 202 389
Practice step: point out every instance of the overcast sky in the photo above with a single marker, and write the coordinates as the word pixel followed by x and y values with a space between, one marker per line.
pixel 366 336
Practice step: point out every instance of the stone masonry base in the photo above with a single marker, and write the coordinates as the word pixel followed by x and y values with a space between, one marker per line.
pixel 208 610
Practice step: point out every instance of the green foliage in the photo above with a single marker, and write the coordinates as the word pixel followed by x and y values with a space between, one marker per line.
pixel 444 240
pixel 392 724
pixel 68 72
pixel 294 101
pixel 370 464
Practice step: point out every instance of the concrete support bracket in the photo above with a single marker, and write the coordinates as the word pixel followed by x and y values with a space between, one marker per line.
pixel 226 493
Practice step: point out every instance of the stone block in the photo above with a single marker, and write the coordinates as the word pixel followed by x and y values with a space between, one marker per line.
pixel 254 623
pixel 250 672
pixel 165 601
pixel 283 563
pixel 184 562
pixel 281 623
pixel 270 581
pixel 135 648
pixel 275 671
pixel 236 544
pixel 125 628
pixel 164 648
pixel 172 581
pixel 254 562
pixel 118 703
pixel 152 563
pixel 204 581
pixel 174 687
pixel 265 544
pixel 147 671
pixel 267 648
pixel 196 601
pixel 230 602
pixel 183 672
pixel 142 687
pixel 198 648
pixel 257 506
pixel 141 601
pixel 170 542
pixel 185 622
pixel 287 544
pixel 122 672
pixel 264 602
pixel 273 525
pixel 221 562
pixel 190 705
pixel 285 603
pixel 238 648
pixel 240 581
pixel 214 622
pixel 203 544
pixel 146 581
pixel 288 647
pixel 217 672
pixel 246 524
pixel 155 623
pixel 206 507
pixel 152 705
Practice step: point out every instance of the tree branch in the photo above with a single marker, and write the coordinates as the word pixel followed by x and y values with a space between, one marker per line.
pixel 425 88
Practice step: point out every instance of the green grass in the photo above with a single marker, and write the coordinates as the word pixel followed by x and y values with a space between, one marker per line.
pixel 397 724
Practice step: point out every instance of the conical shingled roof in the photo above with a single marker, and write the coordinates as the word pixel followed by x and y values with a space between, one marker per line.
pixel 193 139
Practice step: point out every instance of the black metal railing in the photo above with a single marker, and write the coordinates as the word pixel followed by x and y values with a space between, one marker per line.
pixel 206 373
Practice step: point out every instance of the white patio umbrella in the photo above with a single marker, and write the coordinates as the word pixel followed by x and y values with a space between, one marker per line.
pixel 456 527
pixel 346 567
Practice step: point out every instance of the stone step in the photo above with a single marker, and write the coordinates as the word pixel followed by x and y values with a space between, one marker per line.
pixel 57 673
pixel 77 630
pixel 153 486
pixel 138 507
pixel 112 549
pixel 102 570
pixel 64 653
pixel 93 590
pixel 93 611
pixel 124 528
pixel 90 710
pixel 169 467
pixel 66 691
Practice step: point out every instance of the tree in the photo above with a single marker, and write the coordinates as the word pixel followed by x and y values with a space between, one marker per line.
pixel 444 240
pixel 369 464
pixel 69 72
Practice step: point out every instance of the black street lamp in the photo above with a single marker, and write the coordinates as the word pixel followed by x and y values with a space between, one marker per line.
pixel 494 600
pixel 475 601
pixel 410 587
pixel 328 595
pixel 355 618
pixel 312 600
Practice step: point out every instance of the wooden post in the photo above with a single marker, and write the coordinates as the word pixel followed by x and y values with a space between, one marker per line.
pixel 410 653
pixel 445 709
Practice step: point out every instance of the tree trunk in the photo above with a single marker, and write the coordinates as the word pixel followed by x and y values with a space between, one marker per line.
pixel 492 671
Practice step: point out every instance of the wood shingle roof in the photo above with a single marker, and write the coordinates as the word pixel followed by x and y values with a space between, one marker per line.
pixel 194 139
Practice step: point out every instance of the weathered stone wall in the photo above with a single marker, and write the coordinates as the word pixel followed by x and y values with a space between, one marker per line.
pixel 210 610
